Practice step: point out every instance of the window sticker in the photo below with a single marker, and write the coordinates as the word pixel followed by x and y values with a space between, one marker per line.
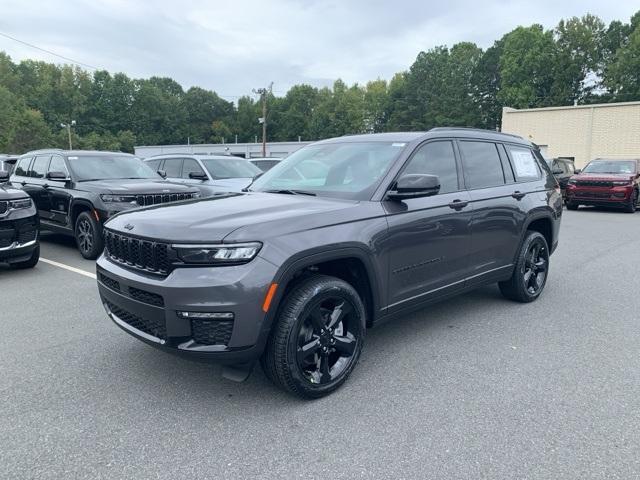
pixel 524 163
pixel 398 144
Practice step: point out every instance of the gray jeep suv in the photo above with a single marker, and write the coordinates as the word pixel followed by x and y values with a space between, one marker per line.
pixel 294 270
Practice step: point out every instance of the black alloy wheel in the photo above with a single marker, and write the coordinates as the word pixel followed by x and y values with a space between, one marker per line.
pixel 88 233
pixel 531 270
pixel 534 274
pixel 327 340
pixel 317 337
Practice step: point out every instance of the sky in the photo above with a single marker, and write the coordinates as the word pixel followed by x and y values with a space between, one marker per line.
pixel 232 47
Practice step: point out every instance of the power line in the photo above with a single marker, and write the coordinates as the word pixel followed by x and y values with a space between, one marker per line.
pixel 48 51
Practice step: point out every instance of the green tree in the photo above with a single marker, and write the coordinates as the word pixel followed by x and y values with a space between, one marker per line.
pixel 623 75
pixel 526 68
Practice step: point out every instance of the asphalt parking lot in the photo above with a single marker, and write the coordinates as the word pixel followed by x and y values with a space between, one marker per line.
pixel 476 387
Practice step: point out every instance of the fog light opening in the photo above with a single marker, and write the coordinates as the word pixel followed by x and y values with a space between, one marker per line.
pixel 205 315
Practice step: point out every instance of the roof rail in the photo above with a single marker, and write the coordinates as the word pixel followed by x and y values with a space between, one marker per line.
pixel 44 150
pixel 472 129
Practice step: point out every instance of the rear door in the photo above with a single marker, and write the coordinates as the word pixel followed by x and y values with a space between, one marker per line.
pixel 498 208
pixel 429 237
pixel 59 195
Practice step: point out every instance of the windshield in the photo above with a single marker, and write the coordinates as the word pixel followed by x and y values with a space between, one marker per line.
pixel 610 166
pixel 230 168
pixel 345 170
pixel 109 167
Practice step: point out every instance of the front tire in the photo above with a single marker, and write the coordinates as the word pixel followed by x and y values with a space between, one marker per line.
pixel 317 337
pixel 633 203
pixel 531 270
pixel 32 262
pixel 88 234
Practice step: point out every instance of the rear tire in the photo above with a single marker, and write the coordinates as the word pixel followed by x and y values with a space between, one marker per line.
pixel 531 270
pixel 88 235
pixel 572 206
pixel 317 337
pixel 32 262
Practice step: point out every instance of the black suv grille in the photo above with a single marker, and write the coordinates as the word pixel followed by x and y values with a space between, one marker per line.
pixel 211 332
pixel 145 200
pixel 22 231
pixel 133 252
pixel 156 328
pixel 110 282
pixel 595 183
pixel 4 206
pixel 146 297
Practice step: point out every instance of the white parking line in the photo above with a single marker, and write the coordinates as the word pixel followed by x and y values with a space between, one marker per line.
pixel 68 267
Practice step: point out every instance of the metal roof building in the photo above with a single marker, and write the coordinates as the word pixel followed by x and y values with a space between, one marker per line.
pixel 582 132
pixel 246 150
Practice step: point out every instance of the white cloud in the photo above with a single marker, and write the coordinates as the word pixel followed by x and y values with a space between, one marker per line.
pixel 232 46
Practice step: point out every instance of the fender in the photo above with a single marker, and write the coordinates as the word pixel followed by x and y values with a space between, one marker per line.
pixel 545 213
pixel 306 258
pixel 74 202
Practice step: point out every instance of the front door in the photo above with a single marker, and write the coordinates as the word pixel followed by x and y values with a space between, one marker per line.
pixel 429 237
pixel 59 196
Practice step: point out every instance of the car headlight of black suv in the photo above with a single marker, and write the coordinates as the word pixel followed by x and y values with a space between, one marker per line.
pixel 217 254
pixel 109 198
pixel 20 204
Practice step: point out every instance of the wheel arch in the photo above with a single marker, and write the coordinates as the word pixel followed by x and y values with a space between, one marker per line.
pixel 542 223
pixel 349 263
pixel 77 207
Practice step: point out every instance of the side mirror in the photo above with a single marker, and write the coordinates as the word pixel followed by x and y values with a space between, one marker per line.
pixel 577 171
pixel 162 173
pixel 198 175
pixel 4 176
pixel 415 185
pixel 57 176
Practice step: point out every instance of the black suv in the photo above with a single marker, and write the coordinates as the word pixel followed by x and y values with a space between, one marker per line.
pixel 18 227
pixel 292 271
pixel 75 192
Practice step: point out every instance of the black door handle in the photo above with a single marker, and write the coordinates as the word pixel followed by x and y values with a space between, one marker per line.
pixel 518 195
pixel 46 185
pixel 458 204
pixel 23 183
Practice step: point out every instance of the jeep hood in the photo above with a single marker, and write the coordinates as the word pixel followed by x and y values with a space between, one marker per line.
pixel 606 177
pixel 234 217
pixel 9 193
pixel 133 186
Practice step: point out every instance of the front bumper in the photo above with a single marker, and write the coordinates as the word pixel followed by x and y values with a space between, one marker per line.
pixel 606 196
pixel 146 307
pixel 18 236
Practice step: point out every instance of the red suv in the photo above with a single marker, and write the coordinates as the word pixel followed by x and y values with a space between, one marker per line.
pixel 605 183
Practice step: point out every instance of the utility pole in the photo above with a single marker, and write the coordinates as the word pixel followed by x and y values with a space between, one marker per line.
pixel 263 120
pixel 68 127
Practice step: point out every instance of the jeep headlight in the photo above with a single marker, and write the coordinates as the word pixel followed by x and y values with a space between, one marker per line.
pixel 230 254
pixel 108 198
pixel 19 204
pixel 622 183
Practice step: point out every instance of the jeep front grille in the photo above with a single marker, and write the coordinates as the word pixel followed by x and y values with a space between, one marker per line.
pixel 136 253
pixel 157 199
pixel 21 231
pixel 155 327
pixel 595 183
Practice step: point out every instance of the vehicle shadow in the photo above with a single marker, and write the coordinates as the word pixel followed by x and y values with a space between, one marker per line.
pixel 191 383
pixel 59 239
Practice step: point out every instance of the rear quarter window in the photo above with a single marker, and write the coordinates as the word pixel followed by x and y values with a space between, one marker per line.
pixel 525 165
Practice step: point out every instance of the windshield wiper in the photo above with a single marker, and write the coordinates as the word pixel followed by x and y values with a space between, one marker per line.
pixel 247 189
pixel 291 192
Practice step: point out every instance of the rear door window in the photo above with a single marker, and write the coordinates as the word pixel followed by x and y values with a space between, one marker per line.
pixel 39 167
pixel 481 163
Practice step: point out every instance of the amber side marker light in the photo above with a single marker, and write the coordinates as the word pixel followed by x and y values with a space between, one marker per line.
pixel 269 296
